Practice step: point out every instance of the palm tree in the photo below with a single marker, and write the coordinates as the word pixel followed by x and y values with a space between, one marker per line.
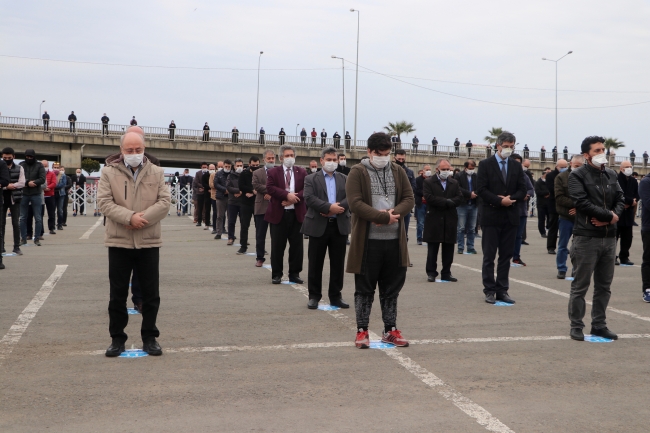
pixel 613 143
pixel 398 128
pixel 494 133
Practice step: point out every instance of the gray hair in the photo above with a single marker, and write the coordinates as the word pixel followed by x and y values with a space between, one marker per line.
pixel 506 137
pixel 287 147
pixel 266 152
pixel 441 160
pixel 328 150
pixel 578 158
pixel 135 133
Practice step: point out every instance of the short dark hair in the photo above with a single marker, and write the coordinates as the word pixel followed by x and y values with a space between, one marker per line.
pixel 506 137
pixel 379 141
pixel 400 152
pixel 468 162
pixel 341 154
pixel 8 151
pixel 547 168
pixel 227 161
pixel 239 160
pixel 517 157
pixel 253 159
pixel 204 163
pixel 585 147
pixel 635 173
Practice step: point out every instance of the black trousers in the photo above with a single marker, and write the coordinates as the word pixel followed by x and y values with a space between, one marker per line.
pixel 46 125
pixel 136 290
pixel 625 236
pixel 287 231
pixel 66 200
pixel 553 226
pixel 79 205
pixel 105 129
pixel 380 268
pixel 501 238
pixel 233 212
pixel 245 216
pixel 72 127
pixel 542 217
pixel 203 203
pixel 15 221
pixel 645 266
pixel 50 204
pixel 213 205
pixel 261 228
pixel 333 243
pixel 121 262
pixel 432 258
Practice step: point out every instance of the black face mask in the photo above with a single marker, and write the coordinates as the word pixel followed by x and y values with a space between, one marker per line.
pixel 253 168
pixel 30 161
pixel 399 163
pixel 9 161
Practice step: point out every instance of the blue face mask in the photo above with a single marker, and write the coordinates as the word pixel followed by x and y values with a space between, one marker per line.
pixel 562 170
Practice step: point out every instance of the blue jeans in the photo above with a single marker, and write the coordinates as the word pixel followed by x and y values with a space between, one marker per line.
pixel 520 237
pixel 466 218
pixel 566 230
pixel 36 204
pixel 421 214
pixel 60 200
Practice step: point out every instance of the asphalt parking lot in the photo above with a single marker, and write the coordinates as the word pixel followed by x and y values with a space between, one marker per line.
pixel 242 354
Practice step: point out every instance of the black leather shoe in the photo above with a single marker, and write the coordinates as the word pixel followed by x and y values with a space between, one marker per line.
pixel 151 347
pixel 312 304
pixel 339 303
pixel 241 251
pixel 2 266
pixel 524 243
pixel 505 298
pixel 295 279
pixel 450 278
pixel 276 280
pixel 604 332
pixel 431 278
pixel 490 298
pixel 115 349
pixel 627 262
pixel 551 251
pixel 561 275
pixel 577 334
pixel 544 236
pixel 52 232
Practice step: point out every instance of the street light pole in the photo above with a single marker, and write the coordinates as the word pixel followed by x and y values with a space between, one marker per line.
pixel 40 109
pixel 343 69
pixel 556 61
pixel 257 110
pixel 297 125
pixel 356 90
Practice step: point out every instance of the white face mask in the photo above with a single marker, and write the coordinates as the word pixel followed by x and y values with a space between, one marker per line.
pixel 628 171
pixel 220 168
pixel 468 171
pixel 380 161
pixel 506 152
pixel 134 160
pixel 204 170
pixel 239 169
pixel 211 171
pixel 342 163
pixel 427 173
pixel 524 168
pixel 444 174
pixel 599 159
pixel 78 174
pixel 289 162
pixel 330 166
pixel 314 170
pixel 226 170
pixel 269 165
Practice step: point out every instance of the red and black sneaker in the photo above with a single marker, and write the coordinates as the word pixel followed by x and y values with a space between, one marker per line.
pixel 394 337
pixel 363 340
pixel 518 262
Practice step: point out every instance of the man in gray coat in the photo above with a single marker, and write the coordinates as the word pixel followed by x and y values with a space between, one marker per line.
pixel 327 224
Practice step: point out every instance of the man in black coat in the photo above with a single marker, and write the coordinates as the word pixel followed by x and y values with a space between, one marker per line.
pixel 183 182
pixel 468 210
pixel 553 217
pixel 105 121
pixel 501 185
pixel 542 193
pixel 79 183
pixel 342 167
pixel 420 201
pixel 443 195
pixel 630 188
pixel 72 119
pixel 46 121
pixel 172 130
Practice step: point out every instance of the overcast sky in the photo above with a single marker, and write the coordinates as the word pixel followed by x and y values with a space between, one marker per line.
pixel 496 43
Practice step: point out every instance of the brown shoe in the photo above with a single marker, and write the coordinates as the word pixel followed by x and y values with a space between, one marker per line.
pixel 259 263
pixel 231 241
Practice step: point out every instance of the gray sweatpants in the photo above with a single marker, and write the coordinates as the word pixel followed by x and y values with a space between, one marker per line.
pixel 589 256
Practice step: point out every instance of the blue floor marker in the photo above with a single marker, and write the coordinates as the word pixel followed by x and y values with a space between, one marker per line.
pixel 569 278
pixel 442 281
pixel 596 339
pixel 132 311
pixel 9 254
pixel 381 345
pixel 251 254
pixel 236 245
pixel 288 282
pixel 503 304
pixel 133 353
pixel 326 307
pixel 516 265
pixel 266 266
pixel 626 266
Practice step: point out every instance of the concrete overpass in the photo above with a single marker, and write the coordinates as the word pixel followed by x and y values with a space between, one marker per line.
pixel 188 148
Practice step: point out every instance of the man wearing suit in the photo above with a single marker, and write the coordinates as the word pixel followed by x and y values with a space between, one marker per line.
pixel 79 182
pixel 500 184
pixel 468 210
pixel 327 224
pixel 443 196
pixel 262 198
pixel 286 212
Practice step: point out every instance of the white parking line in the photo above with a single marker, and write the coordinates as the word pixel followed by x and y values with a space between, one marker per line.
pixel 92 229
pixel 480 415
pixel 24 319
pixel 557 292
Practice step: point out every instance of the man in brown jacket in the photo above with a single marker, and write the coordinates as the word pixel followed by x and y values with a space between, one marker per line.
pixel 379 196
pixel 261 204
pixel 566 209
pixel 133 197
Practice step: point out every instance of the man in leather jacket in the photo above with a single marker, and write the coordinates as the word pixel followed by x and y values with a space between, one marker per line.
pixel 599 204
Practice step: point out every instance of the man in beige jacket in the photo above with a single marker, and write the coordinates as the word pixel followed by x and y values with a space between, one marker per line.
pixel 133 197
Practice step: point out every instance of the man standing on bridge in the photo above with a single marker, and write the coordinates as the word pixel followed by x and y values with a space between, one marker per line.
pixel 46 121
pixel 72 119
pixel 133 197
pixel 105 121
